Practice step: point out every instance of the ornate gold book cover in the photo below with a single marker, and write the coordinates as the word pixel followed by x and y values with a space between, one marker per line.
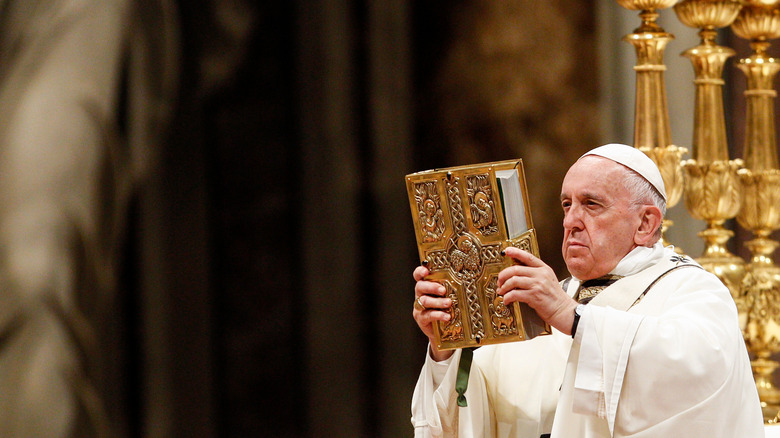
pixel 461 227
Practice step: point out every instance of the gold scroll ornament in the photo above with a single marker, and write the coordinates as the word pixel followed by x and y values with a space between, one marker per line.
pixel 461 230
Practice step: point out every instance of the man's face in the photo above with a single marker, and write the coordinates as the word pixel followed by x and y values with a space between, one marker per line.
pixel 599 221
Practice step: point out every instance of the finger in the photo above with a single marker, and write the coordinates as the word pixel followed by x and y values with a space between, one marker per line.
pixel 514 271
pixel 523 257
pixel 429 316
pixel 437 315
pixel 515 282
pixel 430 302
pixel 515 295
pixel 420 272
pixel 429 288
pixel 522 290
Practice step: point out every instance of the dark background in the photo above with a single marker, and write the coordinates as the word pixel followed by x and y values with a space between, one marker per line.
pixel 278 225
pixel 287 228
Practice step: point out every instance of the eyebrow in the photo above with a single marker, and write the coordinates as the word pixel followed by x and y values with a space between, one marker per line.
pixel 586 195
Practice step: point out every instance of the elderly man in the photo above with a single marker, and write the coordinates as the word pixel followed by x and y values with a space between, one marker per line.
pixel 646 343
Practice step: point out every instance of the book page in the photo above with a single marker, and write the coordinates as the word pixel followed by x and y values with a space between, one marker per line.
pixel 512 201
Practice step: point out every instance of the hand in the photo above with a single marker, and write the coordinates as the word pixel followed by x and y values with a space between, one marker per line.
pixel 533 282
pixel 432 296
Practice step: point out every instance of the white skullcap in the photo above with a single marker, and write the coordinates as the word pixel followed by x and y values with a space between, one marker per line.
pixel 635 160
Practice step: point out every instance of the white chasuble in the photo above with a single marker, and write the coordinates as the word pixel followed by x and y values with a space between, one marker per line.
pixel 673 364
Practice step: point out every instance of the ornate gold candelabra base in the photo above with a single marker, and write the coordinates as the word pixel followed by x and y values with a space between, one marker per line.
pixel 770 396
pixel 760 297
pixel 761 305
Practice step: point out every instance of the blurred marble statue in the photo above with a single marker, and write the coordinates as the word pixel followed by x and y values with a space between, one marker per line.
pixel 82 92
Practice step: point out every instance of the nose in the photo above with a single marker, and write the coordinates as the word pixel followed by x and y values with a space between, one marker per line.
pixel 572 218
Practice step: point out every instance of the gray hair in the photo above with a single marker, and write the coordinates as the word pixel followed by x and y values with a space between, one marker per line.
pixel 643 193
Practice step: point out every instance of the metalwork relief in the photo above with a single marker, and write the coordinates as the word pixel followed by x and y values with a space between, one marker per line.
pixel 466 258
pixel 481 204
pixel 437 260
pixel 429 209
pixel 525 243
pixel 501 317
pixel 466 265
pixel 460 237
pixel 452 330
pixel 456 207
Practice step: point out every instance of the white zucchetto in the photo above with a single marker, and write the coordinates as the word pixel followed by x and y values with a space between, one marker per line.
pixel 635 160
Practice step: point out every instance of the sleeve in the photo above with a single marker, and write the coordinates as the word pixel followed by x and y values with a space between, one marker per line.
pixel 435 412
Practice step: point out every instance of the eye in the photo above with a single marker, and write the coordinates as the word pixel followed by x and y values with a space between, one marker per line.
pixel 566 204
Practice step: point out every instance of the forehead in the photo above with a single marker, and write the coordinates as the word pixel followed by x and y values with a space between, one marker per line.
pixel 596 175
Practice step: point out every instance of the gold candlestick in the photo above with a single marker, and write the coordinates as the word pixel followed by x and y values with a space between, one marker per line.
pixel 759 21
pixel 712 186
pixel 651 114
pixel 760 291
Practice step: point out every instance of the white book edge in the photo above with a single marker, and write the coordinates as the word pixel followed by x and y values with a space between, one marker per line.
pixel 512 203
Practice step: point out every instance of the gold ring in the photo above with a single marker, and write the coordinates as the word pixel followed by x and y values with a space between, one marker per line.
pixel 418 304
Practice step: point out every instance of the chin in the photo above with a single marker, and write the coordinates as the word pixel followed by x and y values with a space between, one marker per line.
pixel 576 271
pixel 582 269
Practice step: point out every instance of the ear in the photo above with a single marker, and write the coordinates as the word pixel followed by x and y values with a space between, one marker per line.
pixel 650 222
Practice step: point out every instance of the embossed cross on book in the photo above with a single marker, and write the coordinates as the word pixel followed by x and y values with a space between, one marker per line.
pixel 463 218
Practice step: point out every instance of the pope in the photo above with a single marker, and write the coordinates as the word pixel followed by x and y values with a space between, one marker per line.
pixel 645 342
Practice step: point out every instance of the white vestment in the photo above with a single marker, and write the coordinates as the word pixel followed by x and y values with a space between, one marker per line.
pixel 673 365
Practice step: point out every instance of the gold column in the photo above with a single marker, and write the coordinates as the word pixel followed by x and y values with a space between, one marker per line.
pixel 651 114
pixel 712 186
pixel 759 21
